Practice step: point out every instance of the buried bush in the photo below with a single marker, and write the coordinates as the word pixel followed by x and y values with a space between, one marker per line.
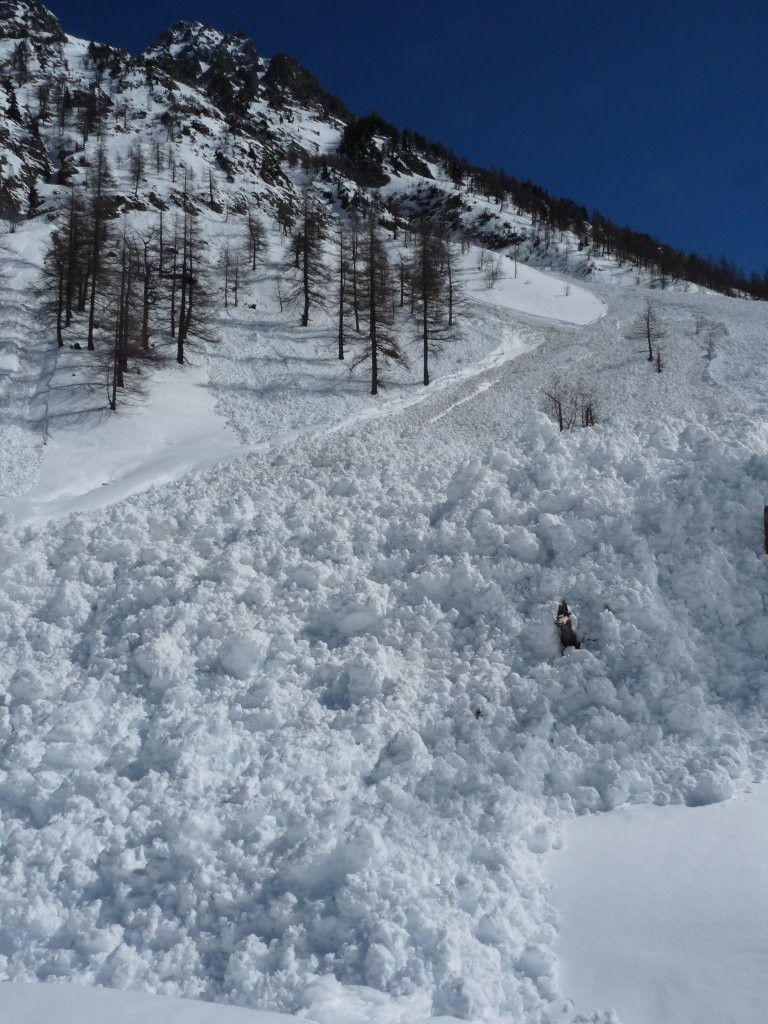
pixel 570 404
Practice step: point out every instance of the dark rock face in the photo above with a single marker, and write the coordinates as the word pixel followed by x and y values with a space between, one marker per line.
pixel 225 65
pixel 27 19
pixel 286 77
pixel 230 71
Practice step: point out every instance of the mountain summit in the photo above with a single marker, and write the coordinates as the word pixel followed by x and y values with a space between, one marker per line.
pixel 27 19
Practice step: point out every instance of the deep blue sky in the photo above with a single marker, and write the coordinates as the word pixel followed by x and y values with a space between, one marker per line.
pixel 654 113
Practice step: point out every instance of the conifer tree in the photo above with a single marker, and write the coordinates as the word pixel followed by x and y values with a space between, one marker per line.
pixel 342 276
pixel 428 290
pixel 126 357
pixel 304 261
pixel 255 236
pixel 194 295
pixel 435 291
pixel 648 329
pixel 381 346
pixel 53 285
pixel 101 180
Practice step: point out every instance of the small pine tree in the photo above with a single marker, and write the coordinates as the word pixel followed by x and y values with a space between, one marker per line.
pixel 13 113
pixel 648 329
pixel 33 201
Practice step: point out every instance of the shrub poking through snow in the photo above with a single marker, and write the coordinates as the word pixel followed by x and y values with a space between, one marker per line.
pixel 565 629
pixel 570 405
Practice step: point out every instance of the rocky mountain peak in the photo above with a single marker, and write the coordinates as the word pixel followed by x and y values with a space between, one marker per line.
pixel 285 77
pixel 28 19
pixel 225 64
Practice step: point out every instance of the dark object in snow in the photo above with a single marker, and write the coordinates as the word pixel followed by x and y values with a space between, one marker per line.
pixel 478 713
pixel 77 345
pixel 765 527
pixel 565 628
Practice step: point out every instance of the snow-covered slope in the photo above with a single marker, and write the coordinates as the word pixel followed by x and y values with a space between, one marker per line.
pixel 285 721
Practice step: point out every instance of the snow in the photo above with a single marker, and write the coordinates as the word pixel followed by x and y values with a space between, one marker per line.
pixel 243 755
pixel 73 1004
pixel 241 743
pixel 175 432
pixel 527 290
pixel 285 722
pixel 663 911
pixel 184 425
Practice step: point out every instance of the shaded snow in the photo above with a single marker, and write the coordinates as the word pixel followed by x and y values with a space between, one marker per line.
pixel 664 909
pixel 328 1003
pixel 87 465
pixel 74 1004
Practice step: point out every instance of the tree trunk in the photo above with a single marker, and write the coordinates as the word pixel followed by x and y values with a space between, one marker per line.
pixel 425 342
pixel 92 314
pixel 342 283
pixel 174 272
pixel 449 271
pixel 355 302
pixel 372 285
pixel 305 279
pixel 183 313
pixel 145 307
pixel 60 308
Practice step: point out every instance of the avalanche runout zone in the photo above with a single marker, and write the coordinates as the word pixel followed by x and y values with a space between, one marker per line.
pixel 306 714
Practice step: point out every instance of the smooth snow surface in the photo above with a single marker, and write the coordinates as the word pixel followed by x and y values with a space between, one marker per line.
pixel 664 911
pixel 76 1004
pixel 175 432
pixel 526 290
